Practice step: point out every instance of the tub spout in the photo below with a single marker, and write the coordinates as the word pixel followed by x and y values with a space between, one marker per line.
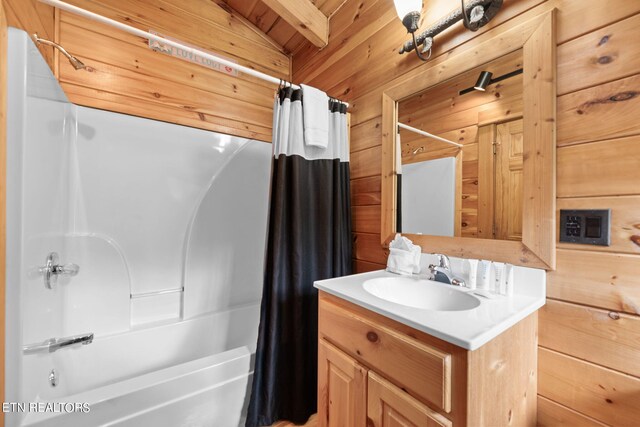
pixel 54 344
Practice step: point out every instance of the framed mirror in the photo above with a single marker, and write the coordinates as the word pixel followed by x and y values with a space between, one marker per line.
pixel 471 173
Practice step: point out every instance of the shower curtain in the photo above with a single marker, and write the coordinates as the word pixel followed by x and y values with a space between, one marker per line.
pixel 309 239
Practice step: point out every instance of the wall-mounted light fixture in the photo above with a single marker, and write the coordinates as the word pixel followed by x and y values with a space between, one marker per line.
pixel 474 13
pixel 409 13
pixel 485 79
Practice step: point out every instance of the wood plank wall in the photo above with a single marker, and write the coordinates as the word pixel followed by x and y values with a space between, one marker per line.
pixel 590 328
pixel 125 76
pixel 444 112
pixel 33 17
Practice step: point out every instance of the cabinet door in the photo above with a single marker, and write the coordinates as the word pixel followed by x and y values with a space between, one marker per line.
pixel 342 389
pixel 389 406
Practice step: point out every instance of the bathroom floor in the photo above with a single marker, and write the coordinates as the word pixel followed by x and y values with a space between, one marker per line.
pixel 313 422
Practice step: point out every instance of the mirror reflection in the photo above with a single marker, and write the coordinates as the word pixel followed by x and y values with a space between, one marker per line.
pixel 461 152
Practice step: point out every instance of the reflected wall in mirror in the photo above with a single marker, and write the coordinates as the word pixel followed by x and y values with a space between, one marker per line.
pixel 473 189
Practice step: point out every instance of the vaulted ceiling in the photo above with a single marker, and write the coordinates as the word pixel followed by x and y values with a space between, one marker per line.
pixel 275 26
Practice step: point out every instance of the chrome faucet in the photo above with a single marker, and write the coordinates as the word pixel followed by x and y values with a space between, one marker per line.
pixel 442 272
pixel 52 270
pixel 54 344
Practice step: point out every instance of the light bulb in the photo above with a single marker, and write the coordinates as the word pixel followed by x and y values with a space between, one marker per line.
pixel 405 7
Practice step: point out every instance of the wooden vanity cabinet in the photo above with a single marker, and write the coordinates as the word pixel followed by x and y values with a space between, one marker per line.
pixel 376 372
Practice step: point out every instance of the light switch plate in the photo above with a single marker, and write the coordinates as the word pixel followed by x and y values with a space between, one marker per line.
pixel 586 226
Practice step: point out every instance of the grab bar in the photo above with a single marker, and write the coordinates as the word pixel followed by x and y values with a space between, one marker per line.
pixel 54 344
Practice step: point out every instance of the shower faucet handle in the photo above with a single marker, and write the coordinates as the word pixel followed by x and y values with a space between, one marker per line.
pixel 52 270
pixel 67 269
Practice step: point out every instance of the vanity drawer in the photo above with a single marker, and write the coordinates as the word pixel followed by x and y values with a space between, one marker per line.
pixel 423 371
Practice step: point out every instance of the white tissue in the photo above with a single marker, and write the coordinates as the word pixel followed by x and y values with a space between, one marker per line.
pixel 404 256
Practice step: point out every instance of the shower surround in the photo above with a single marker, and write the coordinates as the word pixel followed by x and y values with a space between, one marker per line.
pixel 167 225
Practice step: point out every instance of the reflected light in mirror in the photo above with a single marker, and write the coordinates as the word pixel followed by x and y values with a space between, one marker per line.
pixel 483 81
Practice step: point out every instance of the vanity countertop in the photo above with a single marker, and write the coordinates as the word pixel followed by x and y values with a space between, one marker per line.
pixel 469 329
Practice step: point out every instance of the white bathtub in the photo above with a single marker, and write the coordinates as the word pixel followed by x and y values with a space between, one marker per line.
pixel 110 360
pixel 189 373
pixel 210 391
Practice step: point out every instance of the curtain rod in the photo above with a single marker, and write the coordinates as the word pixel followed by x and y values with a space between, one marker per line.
pixel 423 133
pixel 144 34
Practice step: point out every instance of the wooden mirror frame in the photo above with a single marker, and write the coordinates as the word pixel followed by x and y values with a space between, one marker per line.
pixel 537 40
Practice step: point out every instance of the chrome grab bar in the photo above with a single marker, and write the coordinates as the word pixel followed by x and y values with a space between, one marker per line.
pixel 54 344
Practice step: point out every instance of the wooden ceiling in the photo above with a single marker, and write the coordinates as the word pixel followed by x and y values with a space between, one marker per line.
pixel 269 22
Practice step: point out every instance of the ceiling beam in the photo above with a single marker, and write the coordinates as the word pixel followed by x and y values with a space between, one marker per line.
pixel 305 17
pixel 237 15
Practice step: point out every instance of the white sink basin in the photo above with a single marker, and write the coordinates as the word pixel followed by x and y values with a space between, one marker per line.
pixel 424 294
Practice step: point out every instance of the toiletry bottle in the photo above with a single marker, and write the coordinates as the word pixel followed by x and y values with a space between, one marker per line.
pixel 509 280
pixel 472 264
pixel 484 272
pixel 499 278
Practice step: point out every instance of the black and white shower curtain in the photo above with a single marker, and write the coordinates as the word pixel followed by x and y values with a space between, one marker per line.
pixel 309 239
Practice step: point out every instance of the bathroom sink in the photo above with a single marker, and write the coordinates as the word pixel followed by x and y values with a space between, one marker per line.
pixel 420 293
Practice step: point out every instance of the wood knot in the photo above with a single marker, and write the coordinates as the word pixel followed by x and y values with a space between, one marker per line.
pixel 608 400
pixel 372 336
pixel 624 96
pixel 635 239
pixel 618 97
pixel 605 59
pixel 604 40
pixel 614 315
pixel 156 94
